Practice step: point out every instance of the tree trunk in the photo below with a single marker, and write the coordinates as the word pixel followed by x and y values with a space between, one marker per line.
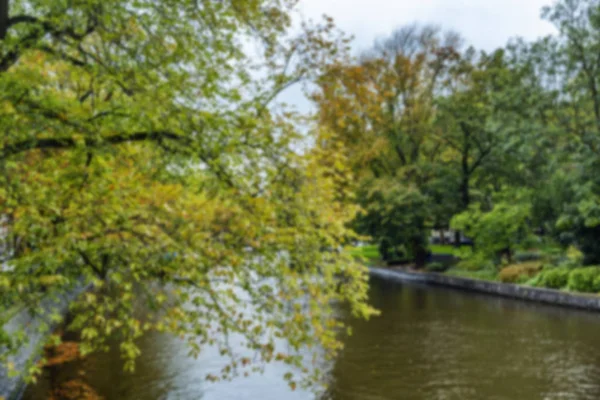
pixel 465 195
pixel 3 18
pixel 420 258
pixel 419 253
pixel 384 250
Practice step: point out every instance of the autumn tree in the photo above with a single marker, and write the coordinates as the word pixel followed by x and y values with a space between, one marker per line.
pixel 382 109
pixel 144 156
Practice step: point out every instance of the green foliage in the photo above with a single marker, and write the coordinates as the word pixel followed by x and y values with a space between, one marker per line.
pixel 574 257
pixel 465 252
pixel 395 216
pixel 585 280
pixel 499 229
pixel 485 274
pixel 554 278
pixel 498 144
pixel 436 267
pixel 144 153
pixel 534 282
pixel 519 273
pixel 366 252
pixel 403 184
pixel 475 262
pixel 566 58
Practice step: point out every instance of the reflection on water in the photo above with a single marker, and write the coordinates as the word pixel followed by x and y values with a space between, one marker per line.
pixel 429 343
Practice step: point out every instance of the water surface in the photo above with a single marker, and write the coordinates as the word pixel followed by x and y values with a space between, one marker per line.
pixel 429 343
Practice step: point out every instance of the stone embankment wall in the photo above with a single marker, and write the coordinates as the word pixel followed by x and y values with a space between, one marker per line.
pixel 548 296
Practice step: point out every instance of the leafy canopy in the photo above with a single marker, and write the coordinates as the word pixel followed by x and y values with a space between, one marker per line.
pixel 143 156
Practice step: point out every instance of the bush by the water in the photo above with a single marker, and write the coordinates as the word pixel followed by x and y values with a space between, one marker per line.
pixel 436 267
pixel 585 280
pixel 555 278
pixel 518 273
pixel 574 257
pixel 476 262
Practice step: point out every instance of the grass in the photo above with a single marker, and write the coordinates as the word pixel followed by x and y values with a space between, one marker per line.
pixel 486 275
pixel 447 249
pixel 442 248
pixel 368 252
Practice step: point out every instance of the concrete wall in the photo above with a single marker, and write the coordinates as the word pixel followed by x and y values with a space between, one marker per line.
pixel 549 296
pixel 11 388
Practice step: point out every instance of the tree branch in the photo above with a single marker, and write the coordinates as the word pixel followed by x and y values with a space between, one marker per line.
pixel 89 262
pixel 69 142
pixel 480 159
pixel 37 34
pixel 13 55
pixel 20 19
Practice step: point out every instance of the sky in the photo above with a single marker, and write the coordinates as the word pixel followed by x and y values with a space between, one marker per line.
pixel 485 24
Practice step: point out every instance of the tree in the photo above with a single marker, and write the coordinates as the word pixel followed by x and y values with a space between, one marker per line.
pixel 394 213
pixel 498 229
pixel 569 65
pixel 142 155
pixel 486 124
pixel 382 110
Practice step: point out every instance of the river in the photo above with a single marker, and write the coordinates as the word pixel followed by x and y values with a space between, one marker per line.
pixel 429 343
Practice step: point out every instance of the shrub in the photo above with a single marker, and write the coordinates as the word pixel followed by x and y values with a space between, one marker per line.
pixel 558 260
pixel 597 283
pixel 554 278
pixel 574 256
pixel 476 262
pixel 535 281
pixel 584 280
pixel 517 273
pixel 436 267
pixel 569 258
pixel 464 252
pixel 502 228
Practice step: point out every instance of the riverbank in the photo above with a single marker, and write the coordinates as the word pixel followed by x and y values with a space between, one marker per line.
pixel 540 295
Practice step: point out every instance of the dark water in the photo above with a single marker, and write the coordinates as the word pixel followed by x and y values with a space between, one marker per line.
pixel 430 343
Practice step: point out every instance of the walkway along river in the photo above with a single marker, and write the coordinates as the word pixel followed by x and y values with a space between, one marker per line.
pixel 430 343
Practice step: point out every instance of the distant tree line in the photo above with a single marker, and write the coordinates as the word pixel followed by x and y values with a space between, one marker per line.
pixel 496 144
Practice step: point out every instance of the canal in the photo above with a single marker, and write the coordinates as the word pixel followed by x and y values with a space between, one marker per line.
pixel 429 343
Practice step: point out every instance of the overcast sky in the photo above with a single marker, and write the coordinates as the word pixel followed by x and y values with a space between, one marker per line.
pixel 485 24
